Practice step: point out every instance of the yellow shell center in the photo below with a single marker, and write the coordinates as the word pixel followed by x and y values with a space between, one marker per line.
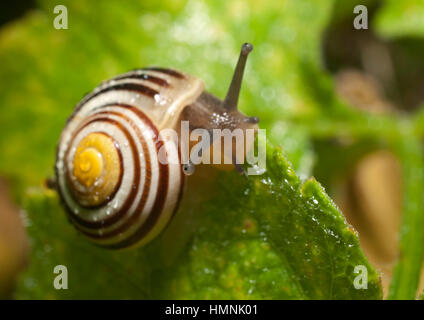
pixel 96 169
pixel 88 166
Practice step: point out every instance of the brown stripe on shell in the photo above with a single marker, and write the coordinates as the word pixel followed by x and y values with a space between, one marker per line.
pixel 128 201
pixel 143 76
pixel 135 87
pixel 159 201
pixel 129 86
pixel 133 218
pixel 170 72
pixel 124 211
pixel 139 88
pixel 181 191
pixel 160 194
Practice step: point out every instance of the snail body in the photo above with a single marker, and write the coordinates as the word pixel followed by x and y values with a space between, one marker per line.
pixel 115 188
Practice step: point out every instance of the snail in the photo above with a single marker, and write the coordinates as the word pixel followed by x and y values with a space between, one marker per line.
pixel 115 190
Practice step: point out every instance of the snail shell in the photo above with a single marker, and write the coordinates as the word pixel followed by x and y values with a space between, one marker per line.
pixel 115 189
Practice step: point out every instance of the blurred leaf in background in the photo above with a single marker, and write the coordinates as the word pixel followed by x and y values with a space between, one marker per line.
pixel 272 236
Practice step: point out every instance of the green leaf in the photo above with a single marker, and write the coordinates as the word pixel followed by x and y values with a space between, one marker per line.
pixel 396 19
pixel 400 18
pixel 269 236
pixel 407 271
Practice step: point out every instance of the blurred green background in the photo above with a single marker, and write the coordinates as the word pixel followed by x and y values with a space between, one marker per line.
pixel 340 104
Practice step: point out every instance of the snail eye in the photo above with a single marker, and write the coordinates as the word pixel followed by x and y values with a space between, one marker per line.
pixel 188 169
pixel 95 170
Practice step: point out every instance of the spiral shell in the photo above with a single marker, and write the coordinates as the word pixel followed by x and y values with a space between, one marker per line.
pixel 115 189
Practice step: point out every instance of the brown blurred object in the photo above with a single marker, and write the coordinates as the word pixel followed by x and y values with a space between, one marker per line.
pixel 13 243
pixel 396 65
pixel 371 197
pixel 362 91
pixel 371 201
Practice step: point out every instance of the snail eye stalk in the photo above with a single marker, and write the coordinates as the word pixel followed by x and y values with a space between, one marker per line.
pixel 231 100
